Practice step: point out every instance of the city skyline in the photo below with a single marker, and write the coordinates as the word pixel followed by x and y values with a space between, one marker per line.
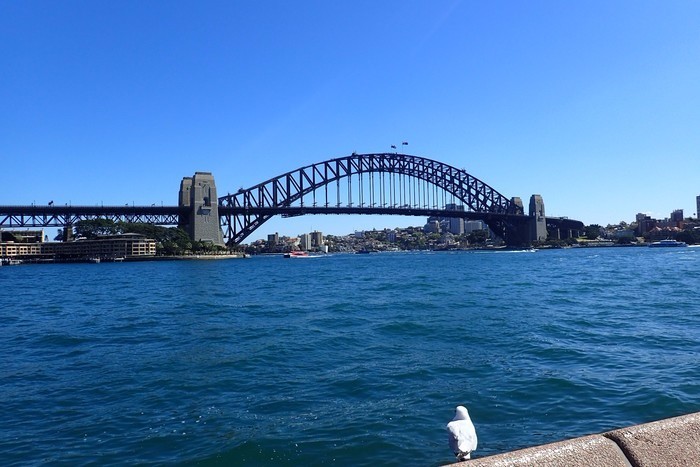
pixel 593 106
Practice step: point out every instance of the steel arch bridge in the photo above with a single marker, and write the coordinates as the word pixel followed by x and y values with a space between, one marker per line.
pixel 384 183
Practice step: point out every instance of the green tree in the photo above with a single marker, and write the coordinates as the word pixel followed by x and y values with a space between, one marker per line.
pixel 169 240
pixel 691 237
pixel 592 231
pixel 478 237
pixel 92 228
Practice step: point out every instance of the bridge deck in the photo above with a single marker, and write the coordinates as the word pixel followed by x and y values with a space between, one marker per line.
pixel 60 216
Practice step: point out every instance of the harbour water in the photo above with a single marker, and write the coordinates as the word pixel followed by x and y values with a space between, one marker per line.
pixel 342 359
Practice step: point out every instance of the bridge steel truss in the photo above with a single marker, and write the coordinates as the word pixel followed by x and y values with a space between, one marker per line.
pixel 396 175
pixel 385 183
pixel 62 216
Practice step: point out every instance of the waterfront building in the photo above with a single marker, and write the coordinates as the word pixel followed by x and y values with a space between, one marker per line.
pixel 110 247
pixel 12 250
pixel 20 243
pixel 107 247
pixel 273 239
pixel 697 207
pixel 22 236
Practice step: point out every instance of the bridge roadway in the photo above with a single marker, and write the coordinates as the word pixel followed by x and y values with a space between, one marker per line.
pixel 61 216
pixel 563 223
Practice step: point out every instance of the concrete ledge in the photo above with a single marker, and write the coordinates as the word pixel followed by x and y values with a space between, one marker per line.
pixel 671 442
pixel 589 451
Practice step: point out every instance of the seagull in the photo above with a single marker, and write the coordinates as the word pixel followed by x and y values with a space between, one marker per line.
pixel 462 435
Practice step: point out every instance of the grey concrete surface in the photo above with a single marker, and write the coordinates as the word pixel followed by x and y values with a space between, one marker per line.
pixel 665 443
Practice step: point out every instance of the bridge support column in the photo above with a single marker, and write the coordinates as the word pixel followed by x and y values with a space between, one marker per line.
pixel 514 233
pixel 538 224
pixel 198 193
pixel 67 235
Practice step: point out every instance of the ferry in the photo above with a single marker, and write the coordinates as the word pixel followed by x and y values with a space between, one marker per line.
pixel 668 243
pixel 296 254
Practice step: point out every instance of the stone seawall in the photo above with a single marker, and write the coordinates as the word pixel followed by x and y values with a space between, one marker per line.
pixel 664 443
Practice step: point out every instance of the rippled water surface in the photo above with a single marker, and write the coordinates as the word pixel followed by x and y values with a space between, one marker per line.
pixel 343 359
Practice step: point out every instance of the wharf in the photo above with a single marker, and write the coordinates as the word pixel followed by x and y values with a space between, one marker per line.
pixel 664 443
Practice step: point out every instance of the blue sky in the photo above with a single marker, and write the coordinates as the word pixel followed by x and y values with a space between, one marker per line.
pixel 594 105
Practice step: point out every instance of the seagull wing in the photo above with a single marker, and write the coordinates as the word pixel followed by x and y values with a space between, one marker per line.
pixel 462 436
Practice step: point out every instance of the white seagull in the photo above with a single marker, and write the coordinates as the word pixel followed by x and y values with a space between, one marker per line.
pixel 462 435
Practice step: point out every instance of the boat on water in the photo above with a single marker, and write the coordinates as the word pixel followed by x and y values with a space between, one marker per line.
pixel 667 243
pixel 296 254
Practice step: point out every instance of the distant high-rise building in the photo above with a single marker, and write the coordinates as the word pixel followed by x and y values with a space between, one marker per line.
pixel 697 207
pixel 305 241
pixel 273 239
pixel 316 238
pixel 433 226
pixel 471 226
pixel 677 218
pixel 644 223
pixel 455 225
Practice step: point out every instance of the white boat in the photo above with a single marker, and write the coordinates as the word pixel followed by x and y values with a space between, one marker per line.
pixel 667 243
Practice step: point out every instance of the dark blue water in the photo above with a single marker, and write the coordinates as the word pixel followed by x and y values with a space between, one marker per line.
pixel 345 359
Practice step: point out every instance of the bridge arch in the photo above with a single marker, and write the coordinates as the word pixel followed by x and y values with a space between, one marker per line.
pixel 245 211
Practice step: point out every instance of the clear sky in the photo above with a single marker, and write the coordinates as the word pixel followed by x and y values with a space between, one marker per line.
pixel 594 105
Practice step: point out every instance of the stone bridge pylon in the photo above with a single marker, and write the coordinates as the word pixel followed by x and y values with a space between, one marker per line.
pixel 198 195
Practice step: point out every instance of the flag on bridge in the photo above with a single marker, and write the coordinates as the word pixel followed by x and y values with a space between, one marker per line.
pixel 393 146
pixel 404 143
